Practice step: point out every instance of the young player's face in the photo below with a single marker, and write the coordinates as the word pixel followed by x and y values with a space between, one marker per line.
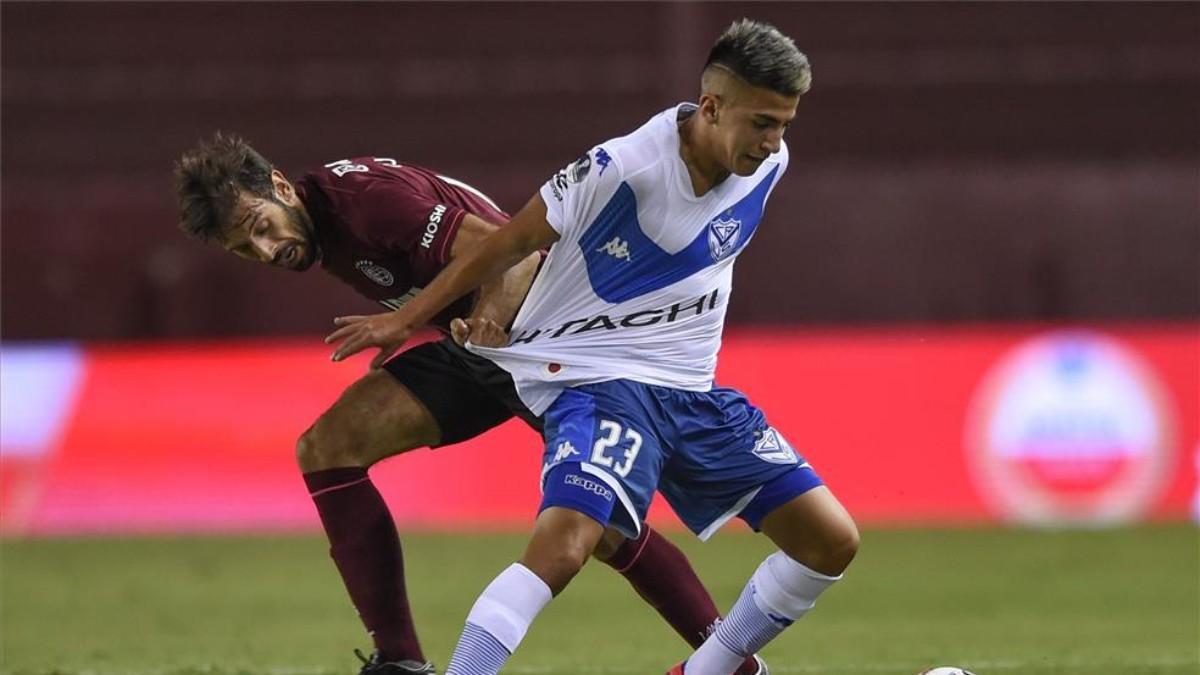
pixel 271 231
pixel 750 127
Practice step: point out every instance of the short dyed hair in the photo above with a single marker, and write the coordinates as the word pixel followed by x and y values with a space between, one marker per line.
pixel 208 179
pixel 763 57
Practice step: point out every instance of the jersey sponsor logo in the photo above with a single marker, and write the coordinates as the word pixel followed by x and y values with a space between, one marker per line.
pixel 564 450
pixel 431 227
pixel 375 273
pixel 649 317
pixel 617 248
pixel 723 237
pixel 603 159
pixel 398 302
pixel 773 447
pixel 589 485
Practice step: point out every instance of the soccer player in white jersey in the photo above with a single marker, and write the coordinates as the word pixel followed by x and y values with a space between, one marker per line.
pixel 616 344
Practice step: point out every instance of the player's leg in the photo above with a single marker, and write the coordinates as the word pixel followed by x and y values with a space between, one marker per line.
pixel 411 404
pixel 656 569
pixel 742 466
pixel 663 577
pixel 602 460
pixel 817 539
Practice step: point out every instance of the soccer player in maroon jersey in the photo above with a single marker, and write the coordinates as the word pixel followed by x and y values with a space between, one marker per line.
pixel 388 229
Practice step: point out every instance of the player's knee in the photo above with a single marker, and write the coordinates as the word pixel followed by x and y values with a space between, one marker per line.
pixel 560 547
pixel 327 444
pixel 558 568
pixel 835 548
pixel 842 546
pixel 609 544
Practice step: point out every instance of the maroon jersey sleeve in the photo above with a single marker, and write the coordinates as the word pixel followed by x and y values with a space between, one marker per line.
pixel 411 224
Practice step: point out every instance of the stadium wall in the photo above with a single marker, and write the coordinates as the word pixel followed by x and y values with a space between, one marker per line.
pixel 975 161
pixel 1029 424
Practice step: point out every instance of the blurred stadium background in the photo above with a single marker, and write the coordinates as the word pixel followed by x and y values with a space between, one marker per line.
pixel 975 307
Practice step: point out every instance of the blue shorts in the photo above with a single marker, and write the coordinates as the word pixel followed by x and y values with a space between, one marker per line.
pixel 712 455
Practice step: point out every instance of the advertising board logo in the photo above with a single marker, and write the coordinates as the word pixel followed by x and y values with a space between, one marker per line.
pixel 1070 428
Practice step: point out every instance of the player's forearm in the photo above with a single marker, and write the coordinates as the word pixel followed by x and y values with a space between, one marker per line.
pixel 499 300
pixel 466 273
pixel 527 233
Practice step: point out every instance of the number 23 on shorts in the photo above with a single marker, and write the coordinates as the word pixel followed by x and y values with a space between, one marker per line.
pixel 609 437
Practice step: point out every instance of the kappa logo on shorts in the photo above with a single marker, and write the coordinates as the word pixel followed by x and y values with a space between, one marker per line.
pixel 375 273
pixel 565 450
pixel 771 447
pixel 589 485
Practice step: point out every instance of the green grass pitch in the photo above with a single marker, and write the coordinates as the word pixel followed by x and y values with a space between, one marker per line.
pixel 998 601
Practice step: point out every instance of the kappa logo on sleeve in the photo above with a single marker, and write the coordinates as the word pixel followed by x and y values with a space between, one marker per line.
pixel 603 159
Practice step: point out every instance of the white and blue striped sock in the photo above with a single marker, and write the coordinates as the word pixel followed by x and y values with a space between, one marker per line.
pixel 498 621
pixel 781 591
pixel 478 653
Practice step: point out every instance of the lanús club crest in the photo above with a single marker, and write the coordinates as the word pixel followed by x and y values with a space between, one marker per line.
pixel 723 237
pixel 375 273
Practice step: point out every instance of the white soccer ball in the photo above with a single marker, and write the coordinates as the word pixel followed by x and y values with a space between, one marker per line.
pixel 946 670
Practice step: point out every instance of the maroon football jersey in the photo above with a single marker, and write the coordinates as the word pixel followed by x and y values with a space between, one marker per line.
pixel 386 228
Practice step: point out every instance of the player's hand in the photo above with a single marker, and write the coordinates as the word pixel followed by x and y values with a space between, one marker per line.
pixel 482 332
pixel 386 331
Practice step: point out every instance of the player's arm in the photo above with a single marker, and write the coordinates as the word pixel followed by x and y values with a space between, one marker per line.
pixel 500 298
pixel 527 233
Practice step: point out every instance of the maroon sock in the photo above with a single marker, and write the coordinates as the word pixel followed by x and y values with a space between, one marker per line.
pixel 662 575
pixel 366 549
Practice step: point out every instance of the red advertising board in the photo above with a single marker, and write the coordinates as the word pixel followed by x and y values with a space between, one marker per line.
pixel 929 425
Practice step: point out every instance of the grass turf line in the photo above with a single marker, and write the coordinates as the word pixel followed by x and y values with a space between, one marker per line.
pixel 1104 602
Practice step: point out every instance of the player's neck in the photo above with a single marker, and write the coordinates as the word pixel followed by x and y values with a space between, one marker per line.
pixel 703 169
pixel 314 236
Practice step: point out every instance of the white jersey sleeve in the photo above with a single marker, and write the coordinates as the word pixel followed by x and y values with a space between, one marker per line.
pixel 571 194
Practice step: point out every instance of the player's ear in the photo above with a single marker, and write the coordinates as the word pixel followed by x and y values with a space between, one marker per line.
pixel 710 107
pixel 283 189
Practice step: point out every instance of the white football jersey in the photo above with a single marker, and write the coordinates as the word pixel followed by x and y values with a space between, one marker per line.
pixel 637 285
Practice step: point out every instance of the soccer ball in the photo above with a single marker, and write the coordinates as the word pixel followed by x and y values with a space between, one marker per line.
pixel 946 670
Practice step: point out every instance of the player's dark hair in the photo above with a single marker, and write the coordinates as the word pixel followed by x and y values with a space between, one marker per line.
pixel 208 178
pixel 762 56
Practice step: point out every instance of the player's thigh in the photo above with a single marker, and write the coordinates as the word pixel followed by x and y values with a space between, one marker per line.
pixel 725 455
pixel 464 394
pixel 815 529
pixel 603 455
pixel 375 417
